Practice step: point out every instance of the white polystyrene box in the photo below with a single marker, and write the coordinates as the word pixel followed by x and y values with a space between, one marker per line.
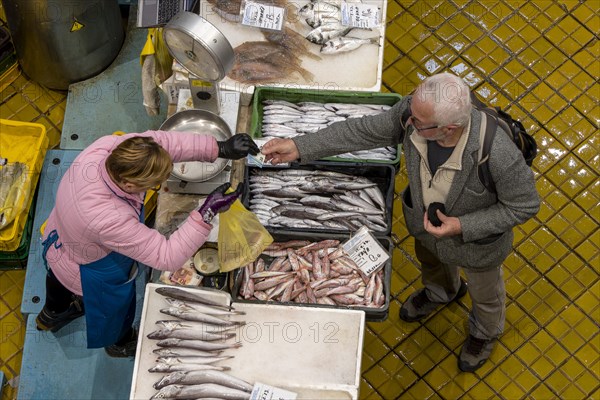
pixel 358 70
pixel 313 352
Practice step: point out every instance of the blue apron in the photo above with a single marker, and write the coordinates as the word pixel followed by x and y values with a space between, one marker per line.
pixel 108 286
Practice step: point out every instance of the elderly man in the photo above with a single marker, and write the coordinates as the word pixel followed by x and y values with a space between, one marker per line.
pixel 440 142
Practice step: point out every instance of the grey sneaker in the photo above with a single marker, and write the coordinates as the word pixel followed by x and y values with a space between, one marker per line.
pixel 418 305
pixel 474 353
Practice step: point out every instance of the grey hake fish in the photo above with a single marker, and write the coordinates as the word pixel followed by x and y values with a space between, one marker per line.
pixel 201 391
pixel 207 376
pixel 187 295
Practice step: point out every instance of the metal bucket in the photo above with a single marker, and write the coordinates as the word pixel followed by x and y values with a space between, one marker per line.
pixel 64 41
pixel 201 122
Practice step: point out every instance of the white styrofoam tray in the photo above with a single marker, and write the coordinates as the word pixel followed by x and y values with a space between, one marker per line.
pixel 310 351
pixel 357 70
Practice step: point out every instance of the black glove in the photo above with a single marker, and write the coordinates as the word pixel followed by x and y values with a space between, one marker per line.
pixel 237 146
pixel 217 201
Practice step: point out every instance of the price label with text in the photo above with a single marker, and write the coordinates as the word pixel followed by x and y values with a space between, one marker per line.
pixel 360 15
pixel 267 392
pixel 263 16
pixel 366 251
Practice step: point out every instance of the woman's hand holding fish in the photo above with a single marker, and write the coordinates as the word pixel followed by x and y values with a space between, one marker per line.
pixel 280 151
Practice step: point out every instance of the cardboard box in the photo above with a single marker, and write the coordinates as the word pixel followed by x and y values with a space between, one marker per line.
pixel 285 347
pixel 357 70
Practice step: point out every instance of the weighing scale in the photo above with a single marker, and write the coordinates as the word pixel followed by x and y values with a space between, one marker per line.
pixel 208 56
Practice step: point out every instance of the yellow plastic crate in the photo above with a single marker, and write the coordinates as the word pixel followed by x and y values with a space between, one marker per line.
pixel 24 142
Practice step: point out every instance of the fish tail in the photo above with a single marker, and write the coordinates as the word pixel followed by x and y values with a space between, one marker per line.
pixel 307 75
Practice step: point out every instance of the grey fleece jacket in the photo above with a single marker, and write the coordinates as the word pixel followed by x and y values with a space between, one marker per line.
pixel 486 218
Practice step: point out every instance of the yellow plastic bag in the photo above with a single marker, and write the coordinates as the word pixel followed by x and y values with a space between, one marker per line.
pixel 241 237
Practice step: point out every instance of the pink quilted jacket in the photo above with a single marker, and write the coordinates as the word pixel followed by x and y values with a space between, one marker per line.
pixel 92 219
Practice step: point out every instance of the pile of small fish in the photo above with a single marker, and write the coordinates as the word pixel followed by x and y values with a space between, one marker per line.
pixel 13 191
pixel 326 20
pixel 191 345
pixel 286 120
pixel 316 199
pixel 317 273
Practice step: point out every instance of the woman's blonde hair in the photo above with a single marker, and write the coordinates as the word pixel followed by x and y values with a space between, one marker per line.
pixel 141 161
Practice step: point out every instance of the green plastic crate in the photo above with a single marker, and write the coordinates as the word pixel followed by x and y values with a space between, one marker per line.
pixel 321 96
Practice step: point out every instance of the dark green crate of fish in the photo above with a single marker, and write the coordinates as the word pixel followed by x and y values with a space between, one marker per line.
pixel 18 258
pixel 374 314
pixel 273 192
pixel 322 96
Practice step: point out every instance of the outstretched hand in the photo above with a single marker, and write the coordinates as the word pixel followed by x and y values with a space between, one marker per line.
pixel 218 201
pixel 279 151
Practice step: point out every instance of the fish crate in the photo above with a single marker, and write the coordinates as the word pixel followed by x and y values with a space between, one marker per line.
pixel 26 143
pixel 285 347
pixel 322 96
pixel 381 174
pixel 18 259
pixel 371 314
pixel 357 71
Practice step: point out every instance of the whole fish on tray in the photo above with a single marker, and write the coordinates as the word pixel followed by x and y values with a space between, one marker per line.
pixel 187 295
pixel 207 376
pixel 184 352
pixel 192 315
pixel 346 43
pixel 264 62
pixel 162 367
pixel 317 199
pixel 211 310
pixel 204 327
pixel 286 120
pixel 190 334
pixel 319 273
pixel 197 344
pixel 191 360
pixel 201 391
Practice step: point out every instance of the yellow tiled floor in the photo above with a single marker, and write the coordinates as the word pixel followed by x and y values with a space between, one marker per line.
pixel 541 61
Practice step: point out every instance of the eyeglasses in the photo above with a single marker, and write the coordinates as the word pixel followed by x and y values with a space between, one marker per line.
pixel 410 120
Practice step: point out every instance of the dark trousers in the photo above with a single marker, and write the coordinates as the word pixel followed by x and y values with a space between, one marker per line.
pixel 486 288
pixel 59 298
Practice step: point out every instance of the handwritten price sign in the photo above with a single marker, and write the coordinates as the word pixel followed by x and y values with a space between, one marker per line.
pixel 366 251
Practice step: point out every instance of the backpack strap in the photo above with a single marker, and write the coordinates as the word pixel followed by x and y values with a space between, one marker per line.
pixel 487 131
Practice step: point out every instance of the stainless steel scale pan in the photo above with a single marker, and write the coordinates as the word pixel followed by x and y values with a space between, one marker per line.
pixel 201 122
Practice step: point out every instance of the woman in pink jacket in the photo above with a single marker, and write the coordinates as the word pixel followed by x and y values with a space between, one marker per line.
pixel 96 231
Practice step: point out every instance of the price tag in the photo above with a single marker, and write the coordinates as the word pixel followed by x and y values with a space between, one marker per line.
pixel 263 16
pixel 366 251
pixel 360 15
pixel 267 392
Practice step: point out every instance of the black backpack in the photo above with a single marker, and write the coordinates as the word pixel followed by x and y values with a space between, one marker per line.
pixel 494 117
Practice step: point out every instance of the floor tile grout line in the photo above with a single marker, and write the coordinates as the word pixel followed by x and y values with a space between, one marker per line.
pixel 557 237
pixel 516 58
pixel 543 327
